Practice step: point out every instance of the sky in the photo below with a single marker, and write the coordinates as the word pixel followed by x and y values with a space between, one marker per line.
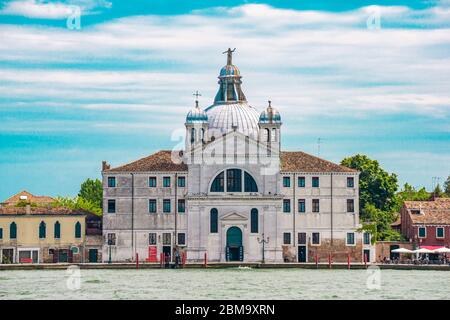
pixel 368 77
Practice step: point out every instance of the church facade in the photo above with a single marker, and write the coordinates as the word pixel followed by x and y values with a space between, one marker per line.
pixel 232 194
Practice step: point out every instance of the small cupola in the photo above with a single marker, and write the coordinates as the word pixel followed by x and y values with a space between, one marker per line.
pixel 270 115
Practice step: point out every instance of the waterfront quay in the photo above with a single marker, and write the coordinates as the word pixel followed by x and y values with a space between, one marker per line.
pixel 222 265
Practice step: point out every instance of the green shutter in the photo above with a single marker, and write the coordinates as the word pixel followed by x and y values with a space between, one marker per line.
pixel 214 221
pixel 254 221
pixel 78 230
pixel 57 230
pixel 13 231
pixel 42 230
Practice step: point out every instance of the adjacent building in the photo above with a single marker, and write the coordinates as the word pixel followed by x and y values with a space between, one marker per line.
pixel 232 194
pixel 426 223
pixel 34 231
pixel 41 235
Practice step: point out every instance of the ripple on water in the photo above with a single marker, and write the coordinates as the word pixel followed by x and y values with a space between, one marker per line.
pixel 225 284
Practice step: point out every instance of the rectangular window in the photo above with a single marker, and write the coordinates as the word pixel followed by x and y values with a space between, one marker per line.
pixel 350 238
pixel 315 205
pixel 422 232
pixel 213 220
pixel 181 182
pixel 315 182
pixel 181 239
pixel 287 182
pixel 439 232
pixel 111 182
pixel 111 206
pixel 152 206
pixel 254 221
pixel 286 205
pixel 350 205
pixel 287 238
pixel 301 205
pixel 166 206
pixel 111 239
pixel 167 239
pixel 301 182
pixel 315 239
pixel 181 205
pixel 166 182
pixel 302 238
pixel 152 182
pixel 350 182
pixel 152 239
pixel 366 238
pixel 1 233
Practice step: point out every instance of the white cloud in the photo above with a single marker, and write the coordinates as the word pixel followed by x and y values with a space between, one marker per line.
pixel 307 62
pixel 39 9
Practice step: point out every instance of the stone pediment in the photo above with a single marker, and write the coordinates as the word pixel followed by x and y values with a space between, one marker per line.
pixel 233 216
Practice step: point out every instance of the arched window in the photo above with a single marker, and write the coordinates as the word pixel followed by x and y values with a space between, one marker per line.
pixel 57 230
pixel 249 183
pixel 237 180
pixel 234 180
pixel 274 134
pixel 42 230
pixel 13 230
pixel 203 135
pixel 254 221
pixel 218 183
pixel 267 135
pixel 78 230
pixel 213 221
pixel 192 135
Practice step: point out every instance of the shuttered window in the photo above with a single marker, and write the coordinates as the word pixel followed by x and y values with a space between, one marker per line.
pixel 254 221
pixel 213 221
pixel 57 230
pixel 78 230
pixel 42 230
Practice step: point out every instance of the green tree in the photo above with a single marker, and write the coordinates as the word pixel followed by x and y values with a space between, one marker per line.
pixel 437 192
pixel 409 193
pixel 380 224
pixel 92 191
pixel 447 187
pixel 376 186
pixel 78 203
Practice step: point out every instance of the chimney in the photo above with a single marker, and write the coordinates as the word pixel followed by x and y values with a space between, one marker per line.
pixel 105 166
pixel 28 209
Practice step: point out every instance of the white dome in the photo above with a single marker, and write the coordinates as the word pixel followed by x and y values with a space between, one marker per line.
pixel 224 118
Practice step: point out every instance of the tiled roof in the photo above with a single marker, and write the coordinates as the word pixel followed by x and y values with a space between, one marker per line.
pixel 159 161
pixel 290 161
pixel 431 212
pixel 41 211
pixel 298 161
pixel 29 198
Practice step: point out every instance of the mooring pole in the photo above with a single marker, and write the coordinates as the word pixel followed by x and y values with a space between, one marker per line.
pixel 137 261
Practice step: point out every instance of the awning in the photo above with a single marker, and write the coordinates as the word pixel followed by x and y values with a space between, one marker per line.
pixel 431 247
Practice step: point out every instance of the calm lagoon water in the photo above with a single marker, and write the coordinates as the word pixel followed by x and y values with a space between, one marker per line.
pixel 230 283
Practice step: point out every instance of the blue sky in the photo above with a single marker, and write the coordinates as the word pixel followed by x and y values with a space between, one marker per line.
pixel 119 88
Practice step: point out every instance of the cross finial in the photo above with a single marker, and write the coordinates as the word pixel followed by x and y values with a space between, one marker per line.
pixel 229 53
pixel 270 104
pixel 196 94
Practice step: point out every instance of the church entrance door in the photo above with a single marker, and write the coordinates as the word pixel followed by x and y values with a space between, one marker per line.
pixel 234 250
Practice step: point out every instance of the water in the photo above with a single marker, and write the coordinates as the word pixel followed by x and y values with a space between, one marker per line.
pixel 226 284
